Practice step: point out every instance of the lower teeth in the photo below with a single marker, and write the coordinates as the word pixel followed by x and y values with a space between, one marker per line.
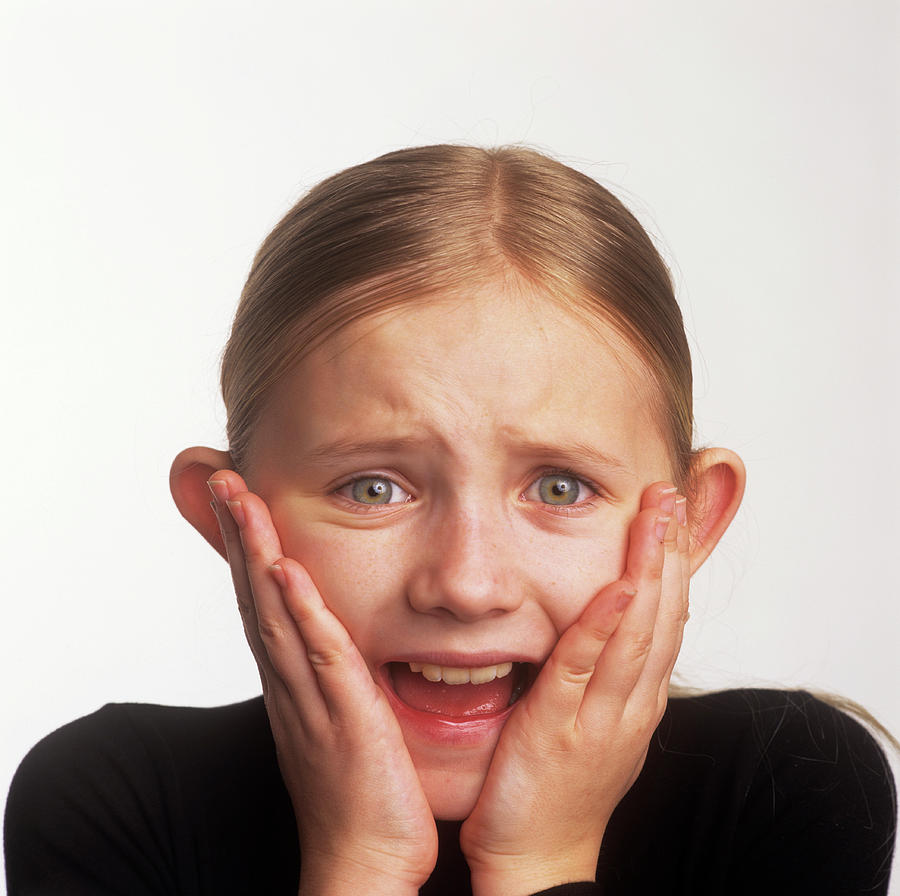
pixel 517 691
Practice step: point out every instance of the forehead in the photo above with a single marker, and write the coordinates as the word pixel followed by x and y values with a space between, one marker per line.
pixel 492 366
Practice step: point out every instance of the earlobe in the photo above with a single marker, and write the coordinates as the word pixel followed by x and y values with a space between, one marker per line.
pixel 190 472
pixel 718 479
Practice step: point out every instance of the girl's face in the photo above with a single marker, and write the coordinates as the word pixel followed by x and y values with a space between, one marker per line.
pixel 458 479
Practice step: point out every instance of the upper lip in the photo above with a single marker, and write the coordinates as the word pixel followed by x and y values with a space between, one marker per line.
pixel 464 660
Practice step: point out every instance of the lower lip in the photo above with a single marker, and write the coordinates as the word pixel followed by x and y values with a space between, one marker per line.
pixel 436 728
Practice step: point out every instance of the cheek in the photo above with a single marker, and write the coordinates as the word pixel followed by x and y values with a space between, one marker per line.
pixel 569 572
pixel 358 573
pixel 363 574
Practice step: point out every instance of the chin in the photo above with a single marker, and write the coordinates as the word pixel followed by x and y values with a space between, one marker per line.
pixel 452 730
pixel 452 794
pixel 452 776
pixel 452 767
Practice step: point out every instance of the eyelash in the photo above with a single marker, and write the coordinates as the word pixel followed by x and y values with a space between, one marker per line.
pixel 360 506
pixel 565 509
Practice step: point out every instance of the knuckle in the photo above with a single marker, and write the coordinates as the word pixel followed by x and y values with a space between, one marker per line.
pixel 569 672
pixel 272 630
pixel 595 637
pixel 640 646
pixel 602 632
pixel 327 656
pixel 255 554
pixel 672 616
pixel 575 677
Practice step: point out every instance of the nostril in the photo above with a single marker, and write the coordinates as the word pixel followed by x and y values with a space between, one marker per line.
pixel 463 590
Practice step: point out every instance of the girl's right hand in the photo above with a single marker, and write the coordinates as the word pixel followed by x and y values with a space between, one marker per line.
pixel 363 820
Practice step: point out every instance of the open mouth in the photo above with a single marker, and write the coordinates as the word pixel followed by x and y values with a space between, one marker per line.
pixel 460 692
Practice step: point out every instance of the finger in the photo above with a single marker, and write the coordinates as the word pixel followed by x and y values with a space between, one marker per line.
pixel 307 646
pixel 620 665
pixel 271 628
pixel 659 496
pixel 559 690
pixel 224 485
pixel 629 676
pixel 669 625
pixel 561 687
pixel 675 540
pixel 252 583
pixel 651 690
pixel 684 543
pixel 341 673
pixel 683 539
pixel 231 506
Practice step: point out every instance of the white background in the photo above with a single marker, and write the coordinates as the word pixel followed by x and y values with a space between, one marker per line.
pixel 149 147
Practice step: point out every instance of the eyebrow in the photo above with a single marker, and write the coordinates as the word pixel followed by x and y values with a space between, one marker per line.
pixel 341 449
pixel 575 452
pixel 579 453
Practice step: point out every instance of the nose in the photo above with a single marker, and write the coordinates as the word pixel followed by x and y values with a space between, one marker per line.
pixel 467 569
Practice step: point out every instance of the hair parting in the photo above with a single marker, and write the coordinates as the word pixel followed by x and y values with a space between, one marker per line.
pixel 431 220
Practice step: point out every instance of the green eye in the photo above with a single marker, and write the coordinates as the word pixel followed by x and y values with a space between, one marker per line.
pixel 559 490
pixel 372 490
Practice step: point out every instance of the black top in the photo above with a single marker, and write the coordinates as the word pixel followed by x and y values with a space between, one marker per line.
pixel 743 792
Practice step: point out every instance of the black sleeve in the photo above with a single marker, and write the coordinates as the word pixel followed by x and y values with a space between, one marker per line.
pixel 90 812
pixel 585 888
pixel 750 792
pixel 820 814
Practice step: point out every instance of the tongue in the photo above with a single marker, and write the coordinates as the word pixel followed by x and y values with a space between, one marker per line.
pixel 452 700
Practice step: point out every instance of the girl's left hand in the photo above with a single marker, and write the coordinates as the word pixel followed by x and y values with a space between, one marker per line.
pixel 579 738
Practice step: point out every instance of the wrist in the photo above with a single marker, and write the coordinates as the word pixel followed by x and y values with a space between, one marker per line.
pixel 339 877
pixel 527 878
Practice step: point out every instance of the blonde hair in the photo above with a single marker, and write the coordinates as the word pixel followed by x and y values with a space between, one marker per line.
pixel 414 223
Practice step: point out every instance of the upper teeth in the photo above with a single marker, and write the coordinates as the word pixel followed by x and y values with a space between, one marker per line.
pixel 462 675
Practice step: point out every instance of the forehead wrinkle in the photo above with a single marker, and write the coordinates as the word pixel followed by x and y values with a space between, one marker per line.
pixel 576 449
pixel 390 420
pixel 426 391
pixel 349 447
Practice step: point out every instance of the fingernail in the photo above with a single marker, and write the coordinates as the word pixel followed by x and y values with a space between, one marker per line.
pixel 681 511
pixel 662 523
pixel 667 500
pixel 219 490
pixel 278 574
pixel 625 598
pixel 237 511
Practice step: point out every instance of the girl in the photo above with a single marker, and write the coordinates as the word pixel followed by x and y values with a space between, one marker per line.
pixel 461 510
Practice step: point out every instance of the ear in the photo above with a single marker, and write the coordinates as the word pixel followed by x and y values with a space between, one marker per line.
pixel 187 481
pixel 718 478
